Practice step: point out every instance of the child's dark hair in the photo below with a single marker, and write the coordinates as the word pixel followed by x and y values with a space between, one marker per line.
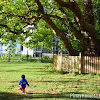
pixel 23 76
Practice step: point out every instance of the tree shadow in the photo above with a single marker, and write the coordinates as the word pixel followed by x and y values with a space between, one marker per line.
pixel 35 68
pixel 14 96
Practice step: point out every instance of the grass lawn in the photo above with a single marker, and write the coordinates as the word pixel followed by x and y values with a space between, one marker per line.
pixel 45 84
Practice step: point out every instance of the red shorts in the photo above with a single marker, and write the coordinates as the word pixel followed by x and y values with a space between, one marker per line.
pixel 22 89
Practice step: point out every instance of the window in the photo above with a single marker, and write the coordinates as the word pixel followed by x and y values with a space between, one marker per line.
pixel 21 48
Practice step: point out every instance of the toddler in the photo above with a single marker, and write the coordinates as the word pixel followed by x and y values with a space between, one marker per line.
pixel 22 84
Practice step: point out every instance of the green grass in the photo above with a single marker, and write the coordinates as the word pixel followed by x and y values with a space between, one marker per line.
pixel 45 84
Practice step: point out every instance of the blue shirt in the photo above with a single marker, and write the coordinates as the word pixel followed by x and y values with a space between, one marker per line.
pixel 23 83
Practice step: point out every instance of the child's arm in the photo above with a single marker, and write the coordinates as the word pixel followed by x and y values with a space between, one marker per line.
pixel 27 83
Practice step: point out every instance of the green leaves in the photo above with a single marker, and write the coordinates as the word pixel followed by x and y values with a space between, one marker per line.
pixel 42 36
pixel 76 45
pixel 17 15
pixel 1 8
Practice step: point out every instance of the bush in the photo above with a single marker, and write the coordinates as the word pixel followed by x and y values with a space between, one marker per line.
pixel 47 59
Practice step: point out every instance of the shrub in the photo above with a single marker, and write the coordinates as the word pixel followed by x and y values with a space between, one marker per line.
pixel 46 57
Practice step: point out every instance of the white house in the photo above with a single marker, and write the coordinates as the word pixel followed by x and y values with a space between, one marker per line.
pixel 23 51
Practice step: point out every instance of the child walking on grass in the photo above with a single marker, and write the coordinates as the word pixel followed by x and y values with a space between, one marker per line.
pixel 22 84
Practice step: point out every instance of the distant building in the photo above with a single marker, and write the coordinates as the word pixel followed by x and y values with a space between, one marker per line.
pixel 38 52
pixel 22 50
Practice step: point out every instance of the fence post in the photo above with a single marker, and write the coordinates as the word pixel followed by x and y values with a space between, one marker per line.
pixel 81 63
pixel 61 66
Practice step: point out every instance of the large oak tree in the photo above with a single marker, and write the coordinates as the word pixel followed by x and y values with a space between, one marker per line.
pixel 72 18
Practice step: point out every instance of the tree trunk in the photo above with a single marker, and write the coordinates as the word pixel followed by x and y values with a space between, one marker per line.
pixel 9 56
pixel 89 16
pixel 91 44
pixel 90 47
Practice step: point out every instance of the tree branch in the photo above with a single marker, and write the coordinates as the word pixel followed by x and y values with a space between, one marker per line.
pixel 39 6
pixel 61 35
pixel 1 35
pixel 14 32
pixel 76 32
pixel 9 29
pixel 27 5
pixel 72 5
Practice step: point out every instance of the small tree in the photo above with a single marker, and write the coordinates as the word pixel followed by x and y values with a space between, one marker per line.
pixel 11 50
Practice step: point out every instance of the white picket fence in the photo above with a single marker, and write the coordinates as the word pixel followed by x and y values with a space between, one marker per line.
pixel 78 64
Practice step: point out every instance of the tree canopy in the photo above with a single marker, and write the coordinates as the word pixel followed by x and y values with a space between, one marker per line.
pixel 75 22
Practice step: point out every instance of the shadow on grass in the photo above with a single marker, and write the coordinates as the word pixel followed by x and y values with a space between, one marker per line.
pixel 35 68
pixel 59 81
pixel 13 96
